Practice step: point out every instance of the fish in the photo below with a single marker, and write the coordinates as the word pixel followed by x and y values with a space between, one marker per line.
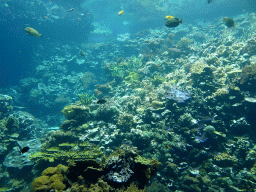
pixel 24 150
pixel 228 22
pixel 209 1
pixel 72 9
pixel 19 107
pixel 121 12
pixel 32 32
pixel 82 53
pixel 101 101
pixel 175 50
pixel 168 17
pixel 173 22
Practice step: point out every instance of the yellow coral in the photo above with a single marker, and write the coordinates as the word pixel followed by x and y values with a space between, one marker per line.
pixel 198 66
pixel 58 186
pixel 134 188
pixel 49 171
pixel 51 178
pixel 221 92
pixel 73 111
pixel 39 182
pixel 56 177
pixel 157 104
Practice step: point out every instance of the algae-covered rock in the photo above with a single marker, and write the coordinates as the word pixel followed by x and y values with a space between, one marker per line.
pixel 125 122
pixel 69 124
pixel 225 160
pixel 75 112
pixel 157 104
pixel 5 105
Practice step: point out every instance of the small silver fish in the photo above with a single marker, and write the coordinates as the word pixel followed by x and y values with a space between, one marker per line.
pixel 72 9
pixel 175 50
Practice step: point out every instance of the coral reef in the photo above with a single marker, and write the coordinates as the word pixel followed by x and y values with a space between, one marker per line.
pixel 124 168
pixel 184 97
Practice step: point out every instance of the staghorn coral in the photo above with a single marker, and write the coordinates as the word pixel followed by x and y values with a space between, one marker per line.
pixel 115 69
pixel 85 99
pixel 132 78
pixel 157 80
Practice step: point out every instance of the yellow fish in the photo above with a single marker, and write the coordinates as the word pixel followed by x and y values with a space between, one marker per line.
pixel 32 32
pixel 168 17
pixel 121 12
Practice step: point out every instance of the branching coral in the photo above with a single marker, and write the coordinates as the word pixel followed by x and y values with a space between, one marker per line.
pixel 85 99
pixel 115 69
pixel 119 69
pixel 132 77
pixel 157 79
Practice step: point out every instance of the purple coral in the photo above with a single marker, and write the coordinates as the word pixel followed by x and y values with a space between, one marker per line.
pixel 178 95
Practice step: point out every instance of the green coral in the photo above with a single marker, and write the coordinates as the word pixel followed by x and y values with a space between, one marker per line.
pixel 119 69
pixel 65 151
pixel 152 162
pixel 135 63
pixel 85 99
pixel 133 77
pixel 75 112
pixel 115 69
pixel 157 79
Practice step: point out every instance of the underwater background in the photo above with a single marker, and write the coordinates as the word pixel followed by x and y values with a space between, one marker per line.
pixel 138 95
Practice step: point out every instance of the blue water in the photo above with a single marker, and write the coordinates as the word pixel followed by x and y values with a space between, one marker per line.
pixel 16 46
